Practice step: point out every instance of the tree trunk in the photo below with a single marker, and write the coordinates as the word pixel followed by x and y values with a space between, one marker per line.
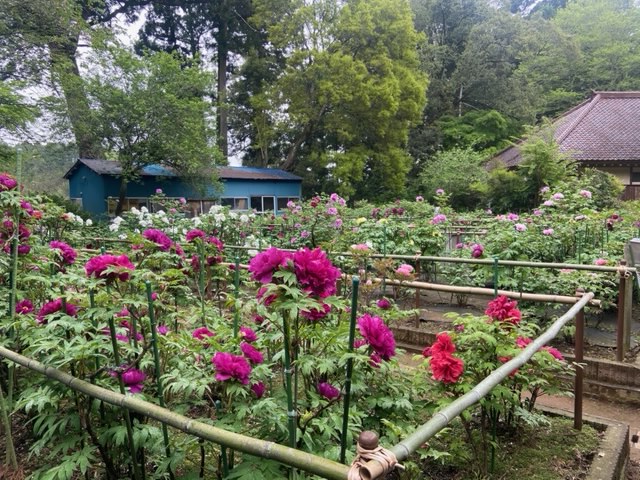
pixel 222 109
pixel 121 195
pixel 65 71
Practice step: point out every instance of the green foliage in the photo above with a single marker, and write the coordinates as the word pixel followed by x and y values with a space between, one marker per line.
pixel 443 171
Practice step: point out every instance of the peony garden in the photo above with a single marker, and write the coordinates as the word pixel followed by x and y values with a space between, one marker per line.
pixel 280 329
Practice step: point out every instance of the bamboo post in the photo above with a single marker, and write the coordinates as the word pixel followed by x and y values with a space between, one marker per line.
pixel 579 358
pixel 355 282
pixel 127 417
pixel 291 412
pixel 158 372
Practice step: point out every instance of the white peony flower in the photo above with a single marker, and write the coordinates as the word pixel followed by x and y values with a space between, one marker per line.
pixel 89 222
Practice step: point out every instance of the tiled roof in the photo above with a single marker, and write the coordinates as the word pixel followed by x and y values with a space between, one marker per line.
pixel 605 128
pixel 109 167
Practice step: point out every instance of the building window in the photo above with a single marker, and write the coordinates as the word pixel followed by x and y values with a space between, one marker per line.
pixel 263 204
pixel 77 201
pixel 128 204
pixel 635 175
pixel 282 202
pixel 234 203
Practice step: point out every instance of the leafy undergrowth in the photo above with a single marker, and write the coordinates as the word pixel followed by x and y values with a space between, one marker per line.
pixel 550 452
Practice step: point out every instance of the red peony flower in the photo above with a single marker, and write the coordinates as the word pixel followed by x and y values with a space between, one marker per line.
pixel 315 273
pixel 522 342
pixel 378 335
pixel 229 366
pixel 554 352
pixel 120 265
pixel 504 310
pixel 443 344
pixel 264 264
pixel 446 368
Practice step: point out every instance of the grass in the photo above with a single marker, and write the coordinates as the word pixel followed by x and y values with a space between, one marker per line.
pixel 548 452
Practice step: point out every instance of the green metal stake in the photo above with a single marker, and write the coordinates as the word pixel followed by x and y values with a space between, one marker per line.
pixel 92 305
pixel 355 282
pixel 201 279
pixel 127 417
pixel 495 276
pixel 236 284
pixel 223 449
pixel 291 413
pixel 158 373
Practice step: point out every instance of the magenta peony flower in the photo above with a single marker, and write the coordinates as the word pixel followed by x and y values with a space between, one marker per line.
pixel 27 207
pixel 229 366
pixel 252 354
pixel 315 314
pixel 120 266
pixel 7 182
pixel 258 389
pixel 53 307
pixel 24 306
pixel 328 391
pixel 504 310
pixel 248 335
pixel 315 273
pixel 68 254
pixel 600 261
pixel 202 333
pixel 162 329
pixel 378 335
pixel 477 250
pixel 195 233
pixel 133 379
pixel 263 265
pixel 266 300
pixel 555 353
pixel 158 237
pixel 384 304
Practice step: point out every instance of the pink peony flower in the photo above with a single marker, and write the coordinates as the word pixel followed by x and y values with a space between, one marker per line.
pixel 537 212
pixel 120 267
pixel 523 341
pixel 252 353
pixel 328 391
pixel 404 270
pixel 439 191
pixel 263 265
pixel 419 198
pixel 53 307
pixel 600 261
pixel 504 310
pixel 332 211
pixel 547 231
pixel 585 193
pixel 378 335
pixel 554 352
pixel 158 191
pixel 512 216
pixel 520 227
pixel 315 273
pixel 158 237
pixel 549 203
pixel 439 218
pixel 229 366
pixel 24 306
pixel 258 389
pixel 201 333
pixel 360 247
pixel 477 250
pixel 557 196
pixel 248 335
pixel 68 254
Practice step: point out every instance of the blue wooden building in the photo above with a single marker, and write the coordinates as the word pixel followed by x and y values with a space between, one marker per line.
pixel 95 184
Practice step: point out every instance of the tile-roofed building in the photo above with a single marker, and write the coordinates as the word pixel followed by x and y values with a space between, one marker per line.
pixel 603 132
pixel 95 185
